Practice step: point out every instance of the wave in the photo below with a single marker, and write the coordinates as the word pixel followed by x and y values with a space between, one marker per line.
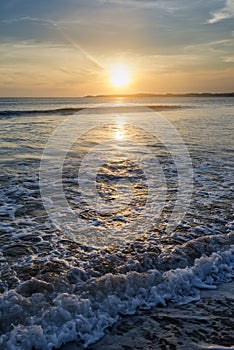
pixel 37 315
pixel 71 110
pixel 60 111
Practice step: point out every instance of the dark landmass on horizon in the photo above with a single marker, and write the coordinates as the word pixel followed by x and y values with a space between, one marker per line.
pixel 190 94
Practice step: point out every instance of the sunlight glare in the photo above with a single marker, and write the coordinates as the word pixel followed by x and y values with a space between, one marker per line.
pixel 119 135
pixel 119 132
pixel 120 75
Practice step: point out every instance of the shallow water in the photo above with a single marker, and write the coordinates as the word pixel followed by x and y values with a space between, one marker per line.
pixel 64 279
pixel 175 326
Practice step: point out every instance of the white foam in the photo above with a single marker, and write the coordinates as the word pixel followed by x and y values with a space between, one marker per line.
pixel 97 304
pixel 215 347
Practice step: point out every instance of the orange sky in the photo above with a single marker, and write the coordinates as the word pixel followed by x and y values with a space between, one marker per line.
pixel 68 48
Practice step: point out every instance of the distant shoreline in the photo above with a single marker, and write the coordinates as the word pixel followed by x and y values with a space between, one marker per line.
pixel 191 94
pixel 143 95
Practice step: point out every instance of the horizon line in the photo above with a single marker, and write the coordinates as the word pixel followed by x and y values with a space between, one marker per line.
pixel 168 94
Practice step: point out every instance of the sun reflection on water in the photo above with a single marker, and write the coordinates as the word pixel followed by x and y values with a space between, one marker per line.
pixel 120 133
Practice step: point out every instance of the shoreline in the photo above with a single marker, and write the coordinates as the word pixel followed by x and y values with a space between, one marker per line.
pixel 204 324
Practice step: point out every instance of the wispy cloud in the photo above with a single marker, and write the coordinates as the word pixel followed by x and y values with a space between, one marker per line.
pixel 41 21
pixel 57 25
pixel 168 5
pixel 26 19
pixel 143 3
pixel 226 12
pixel 228 59
pixel 217 45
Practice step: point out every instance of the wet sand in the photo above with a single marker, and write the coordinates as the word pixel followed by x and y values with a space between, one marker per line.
pixel 205 324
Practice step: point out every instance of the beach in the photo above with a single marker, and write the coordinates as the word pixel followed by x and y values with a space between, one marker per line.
pixel 205 324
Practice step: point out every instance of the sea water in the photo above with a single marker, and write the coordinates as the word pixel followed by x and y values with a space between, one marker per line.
pixel 70 272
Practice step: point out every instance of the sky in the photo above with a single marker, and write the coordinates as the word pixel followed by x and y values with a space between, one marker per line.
pixel 67 48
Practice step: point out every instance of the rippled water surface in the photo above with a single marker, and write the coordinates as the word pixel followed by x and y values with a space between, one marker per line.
pixel 67 280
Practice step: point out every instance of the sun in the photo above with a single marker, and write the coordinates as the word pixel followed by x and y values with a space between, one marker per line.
pixel 120 75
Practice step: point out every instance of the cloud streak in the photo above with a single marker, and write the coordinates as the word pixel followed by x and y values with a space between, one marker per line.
pixel 26 19
pixel 57 25
pixel 167 5
pixel 226 12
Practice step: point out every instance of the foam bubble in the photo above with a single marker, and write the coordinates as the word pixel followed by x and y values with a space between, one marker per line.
pixel 43 321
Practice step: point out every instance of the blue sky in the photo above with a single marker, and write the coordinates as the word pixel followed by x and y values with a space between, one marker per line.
pixel 65 48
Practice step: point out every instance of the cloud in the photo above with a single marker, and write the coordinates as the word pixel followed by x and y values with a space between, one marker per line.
pixel 27 19
pixel 228 59
pixel 168 5
pixel 226 12
pixel 142 3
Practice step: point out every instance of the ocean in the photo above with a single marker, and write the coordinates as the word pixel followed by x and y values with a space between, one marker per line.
pixel 116 223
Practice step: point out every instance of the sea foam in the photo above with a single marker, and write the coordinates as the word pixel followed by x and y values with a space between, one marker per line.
pixel 46 321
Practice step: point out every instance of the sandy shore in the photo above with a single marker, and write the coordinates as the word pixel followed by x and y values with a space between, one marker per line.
pixel 198 325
